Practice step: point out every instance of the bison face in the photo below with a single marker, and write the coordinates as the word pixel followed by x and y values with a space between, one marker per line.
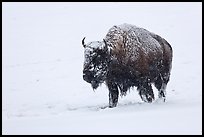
pixel 95 63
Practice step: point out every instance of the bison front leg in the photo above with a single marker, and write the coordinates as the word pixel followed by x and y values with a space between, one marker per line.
pixel 146 93
pixel 113 95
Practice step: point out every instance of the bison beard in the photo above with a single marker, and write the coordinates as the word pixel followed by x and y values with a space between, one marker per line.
pixel 128 57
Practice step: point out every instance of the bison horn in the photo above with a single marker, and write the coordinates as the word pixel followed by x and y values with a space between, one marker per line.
pixel 84 45
pixel 106 46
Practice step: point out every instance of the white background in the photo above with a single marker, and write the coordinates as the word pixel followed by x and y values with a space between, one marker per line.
pixel 42 87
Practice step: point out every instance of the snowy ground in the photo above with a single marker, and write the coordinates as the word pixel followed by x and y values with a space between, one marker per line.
pixel 42 87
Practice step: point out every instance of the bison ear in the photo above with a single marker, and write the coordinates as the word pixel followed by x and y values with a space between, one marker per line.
pixel 84 45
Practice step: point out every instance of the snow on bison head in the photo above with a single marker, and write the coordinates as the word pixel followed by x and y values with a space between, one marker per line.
pixel 95 63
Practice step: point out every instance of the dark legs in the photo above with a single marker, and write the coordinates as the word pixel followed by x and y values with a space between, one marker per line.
pixel 145 89
pixel 113 95
pixel 160 84
pixel 146 92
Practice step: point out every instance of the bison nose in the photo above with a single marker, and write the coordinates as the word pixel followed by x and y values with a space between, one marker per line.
pixel 87 78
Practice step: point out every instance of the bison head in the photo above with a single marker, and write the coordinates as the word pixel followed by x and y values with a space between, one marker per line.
pixel 95 63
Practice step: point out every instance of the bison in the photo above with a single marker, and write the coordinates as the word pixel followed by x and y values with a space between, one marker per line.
pixel 128 56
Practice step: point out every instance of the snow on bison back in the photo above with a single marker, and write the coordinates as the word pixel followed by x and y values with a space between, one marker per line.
pixel 128 56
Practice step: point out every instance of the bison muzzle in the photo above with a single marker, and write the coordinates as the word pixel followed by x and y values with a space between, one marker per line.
pixel 127 57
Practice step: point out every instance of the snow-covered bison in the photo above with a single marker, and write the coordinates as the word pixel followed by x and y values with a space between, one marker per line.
pixel 128 56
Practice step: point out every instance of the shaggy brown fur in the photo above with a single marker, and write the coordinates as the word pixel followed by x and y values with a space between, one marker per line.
pixel 136 57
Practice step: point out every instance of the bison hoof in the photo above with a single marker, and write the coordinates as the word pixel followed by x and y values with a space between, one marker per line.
pixel 112 105
pixel 147 98
pixel 161 99
pixel 162 96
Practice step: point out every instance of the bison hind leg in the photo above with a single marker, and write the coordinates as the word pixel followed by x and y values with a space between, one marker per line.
pixel 162 92
pixel 146 92
pixel 160 84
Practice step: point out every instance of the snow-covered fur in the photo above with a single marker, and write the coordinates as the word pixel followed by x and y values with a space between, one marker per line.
pixel 128 56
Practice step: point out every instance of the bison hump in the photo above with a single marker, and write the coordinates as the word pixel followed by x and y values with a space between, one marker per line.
pixel 129 42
